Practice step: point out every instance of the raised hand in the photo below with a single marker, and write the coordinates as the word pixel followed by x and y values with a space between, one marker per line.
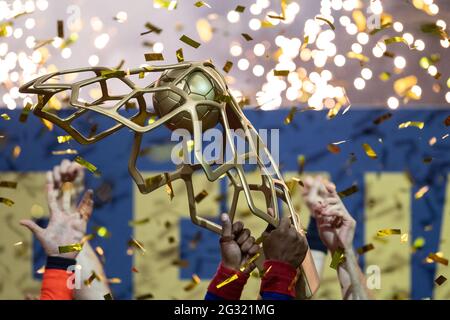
pixel 64 227
pixel 336 225
pixel 285 244
pixel 237 245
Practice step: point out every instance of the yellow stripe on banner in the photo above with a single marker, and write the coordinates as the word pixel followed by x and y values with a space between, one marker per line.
pixel 159 273
pixel 443 291
pixel 329 285
pixel 387 206
pixel 16 261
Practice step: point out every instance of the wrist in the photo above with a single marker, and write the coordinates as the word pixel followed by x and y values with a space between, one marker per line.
pixel 56 262
pixel 279 277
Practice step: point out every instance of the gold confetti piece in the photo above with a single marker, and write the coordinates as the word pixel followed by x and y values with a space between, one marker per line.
pixel 360 20
pixel 290 116
pixel 281 73
pixel 333 148
pixel 249 262
pixel 91 278
pixel 382 118
pixel 99 251
pixel 108 296
pixel 169 188
pixel 194 282
pixel 112 73
pixel 334 111
pixel 305 42
pixel 87 165
pixel 337 258
pixel 365 248
pixel 227 281
pixel 421 192
pixel 102 232
pixel 403 85
pixel 62 139
pixel 115 280
pixel 246 36
pixel 18 243
pixel 239 9
pixel 202 195
pixel 327 22
pixel 138 222
pixel 180 56
pixel 64 152
pixel 445 136
pixel 16 152
pixel 152 28
pixel 5 116
pixel 385 76
pixel 154 57
pixel 348 192
pixel 7 201
pixel 134 243
pixel 8 184
pixel 190 41
pixel 438 259
pixel 301 163
pixel 199 4
pixel 358 56
pixel 76 247
pixel 419 243
pixel 404 238
pixel 440 280
pixel 145 296
pixel 60 28
pixel 417 124
pixel 25 111
pixel 369 151
pixel 432 141
pixel 227 67
pixel 395 40
pixel 388 232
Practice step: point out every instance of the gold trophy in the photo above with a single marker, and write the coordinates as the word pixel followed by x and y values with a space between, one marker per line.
pixel 192 96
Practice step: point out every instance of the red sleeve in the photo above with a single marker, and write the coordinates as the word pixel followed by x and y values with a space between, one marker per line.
pixel 279 277
pixel 56 279
pixel 232 290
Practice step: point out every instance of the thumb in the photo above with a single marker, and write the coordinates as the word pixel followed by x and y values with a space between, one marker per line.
pixel 285 223
pixel 86 205
pixel 226 226
pixel 32 226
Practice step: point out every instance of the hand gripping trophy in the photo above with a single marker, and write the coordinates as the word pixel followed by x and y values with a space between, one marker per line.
pixel 192 96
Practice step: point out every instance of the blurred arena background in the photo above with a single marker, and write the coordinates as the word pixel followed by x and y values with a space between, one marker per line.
pixel 346 85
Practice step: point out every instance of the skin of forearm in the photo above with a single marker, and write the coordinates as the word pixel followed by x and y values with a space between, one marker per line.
pixel 89 262
pixel 351 278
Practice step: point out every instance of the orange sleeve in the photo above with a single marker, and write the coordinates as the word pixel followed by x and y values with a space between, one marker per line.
pixel 54 284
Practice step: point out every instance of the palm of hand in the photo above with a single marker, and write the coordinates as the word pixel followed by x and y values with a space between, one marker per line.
pixel 63 229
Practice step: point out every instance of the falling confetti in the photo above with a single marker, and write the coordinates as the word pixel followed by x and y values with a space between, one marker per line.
pixel 421 192
pixel 388 232
pixel 369 151
pixel 7 201
pixel 227 281
pixel 76 247
pixel 348 192
pixel 190 41
pixel 154 57
pixel 195 280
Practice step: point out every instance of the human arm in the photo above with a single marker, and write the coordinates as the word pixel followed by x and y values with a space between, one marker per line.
pixel 64 229
pixel 237 247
